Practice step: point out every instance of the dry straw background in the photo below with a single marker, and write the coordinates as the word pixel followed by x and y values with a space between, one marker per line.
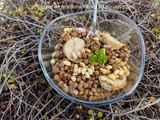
pixel 25 93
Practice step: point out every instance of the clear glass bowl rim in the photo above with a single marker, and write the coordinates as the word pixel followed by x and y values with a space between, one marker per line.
pixel 90 103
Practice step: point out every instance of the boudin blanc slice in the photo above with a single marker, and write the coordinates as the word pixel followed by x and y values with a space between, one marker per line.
pixel 113 42
pixel 119 83
pixel 113 84
pixel 106 85
pixel 73 45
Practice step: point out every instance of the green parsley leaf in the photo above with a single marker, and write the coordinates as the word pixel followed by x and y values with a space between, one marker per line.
pixel 93 58
pixel 99 57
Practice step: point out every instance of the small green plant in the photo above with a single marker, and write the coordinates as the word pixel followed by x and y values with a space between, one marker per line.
pixel 90 112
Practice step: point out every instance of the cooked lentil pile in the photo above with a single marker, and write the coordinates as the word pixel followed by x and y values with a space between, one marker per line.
pixel 89 68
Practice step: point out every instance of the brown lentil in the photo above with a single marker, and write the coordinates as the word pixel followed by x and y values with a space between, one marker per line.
pixel 102 65
pixel 66 67
pixel 85 61
pixel 84 97
pixel 90 83
pixel 93 90
pixel 81 92
pixel 55 69
pixel 97 42
pixel 96 94
pixel 65 81
pixel 78 60
pixel 121 55
pixel 80 86
pixel 113 57
pixel 83 34
pixel 93 78
pixel 86 91
pixel 65 89
pixel 90 98
pixel 75 85
pixel 85 85
pixel 56 77
pixel 71 82
pixel 62 69
pixel 95 85
pixel 60 83
pixel 111 61
pixel 83 54
pixel 114 67
pixel 65 74
pixel 96 81
pixel 98 90
pixel 61 73
pixel 78 79
pixel 68 70
pixel 57 63
pixel 82 82
pixel 69 76
pixel 83 77
pixel 90 93
pixel 96 73
pixel 88 55
pixel 93 48
pixel 117 51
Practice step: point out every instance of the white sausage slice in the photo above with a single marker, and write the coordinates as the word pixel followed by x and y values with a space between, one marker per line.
pixel 73 45
pixel 112 84
pixel 113 42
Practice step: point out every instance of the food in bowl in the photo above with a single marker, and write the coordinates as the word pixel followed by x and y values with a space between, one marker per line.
pixel 89 68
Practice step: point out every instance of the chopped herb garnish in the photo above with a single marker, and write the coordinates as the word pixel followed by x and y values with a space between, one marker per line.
pixel 99 57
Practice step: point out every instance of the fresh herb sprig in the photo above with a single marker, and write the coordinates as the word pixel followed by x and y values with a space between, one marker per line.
pixel 99 57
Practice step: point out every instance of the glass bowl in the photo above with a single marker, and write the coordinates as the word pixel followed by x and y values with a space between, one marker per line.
pixel 120 26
